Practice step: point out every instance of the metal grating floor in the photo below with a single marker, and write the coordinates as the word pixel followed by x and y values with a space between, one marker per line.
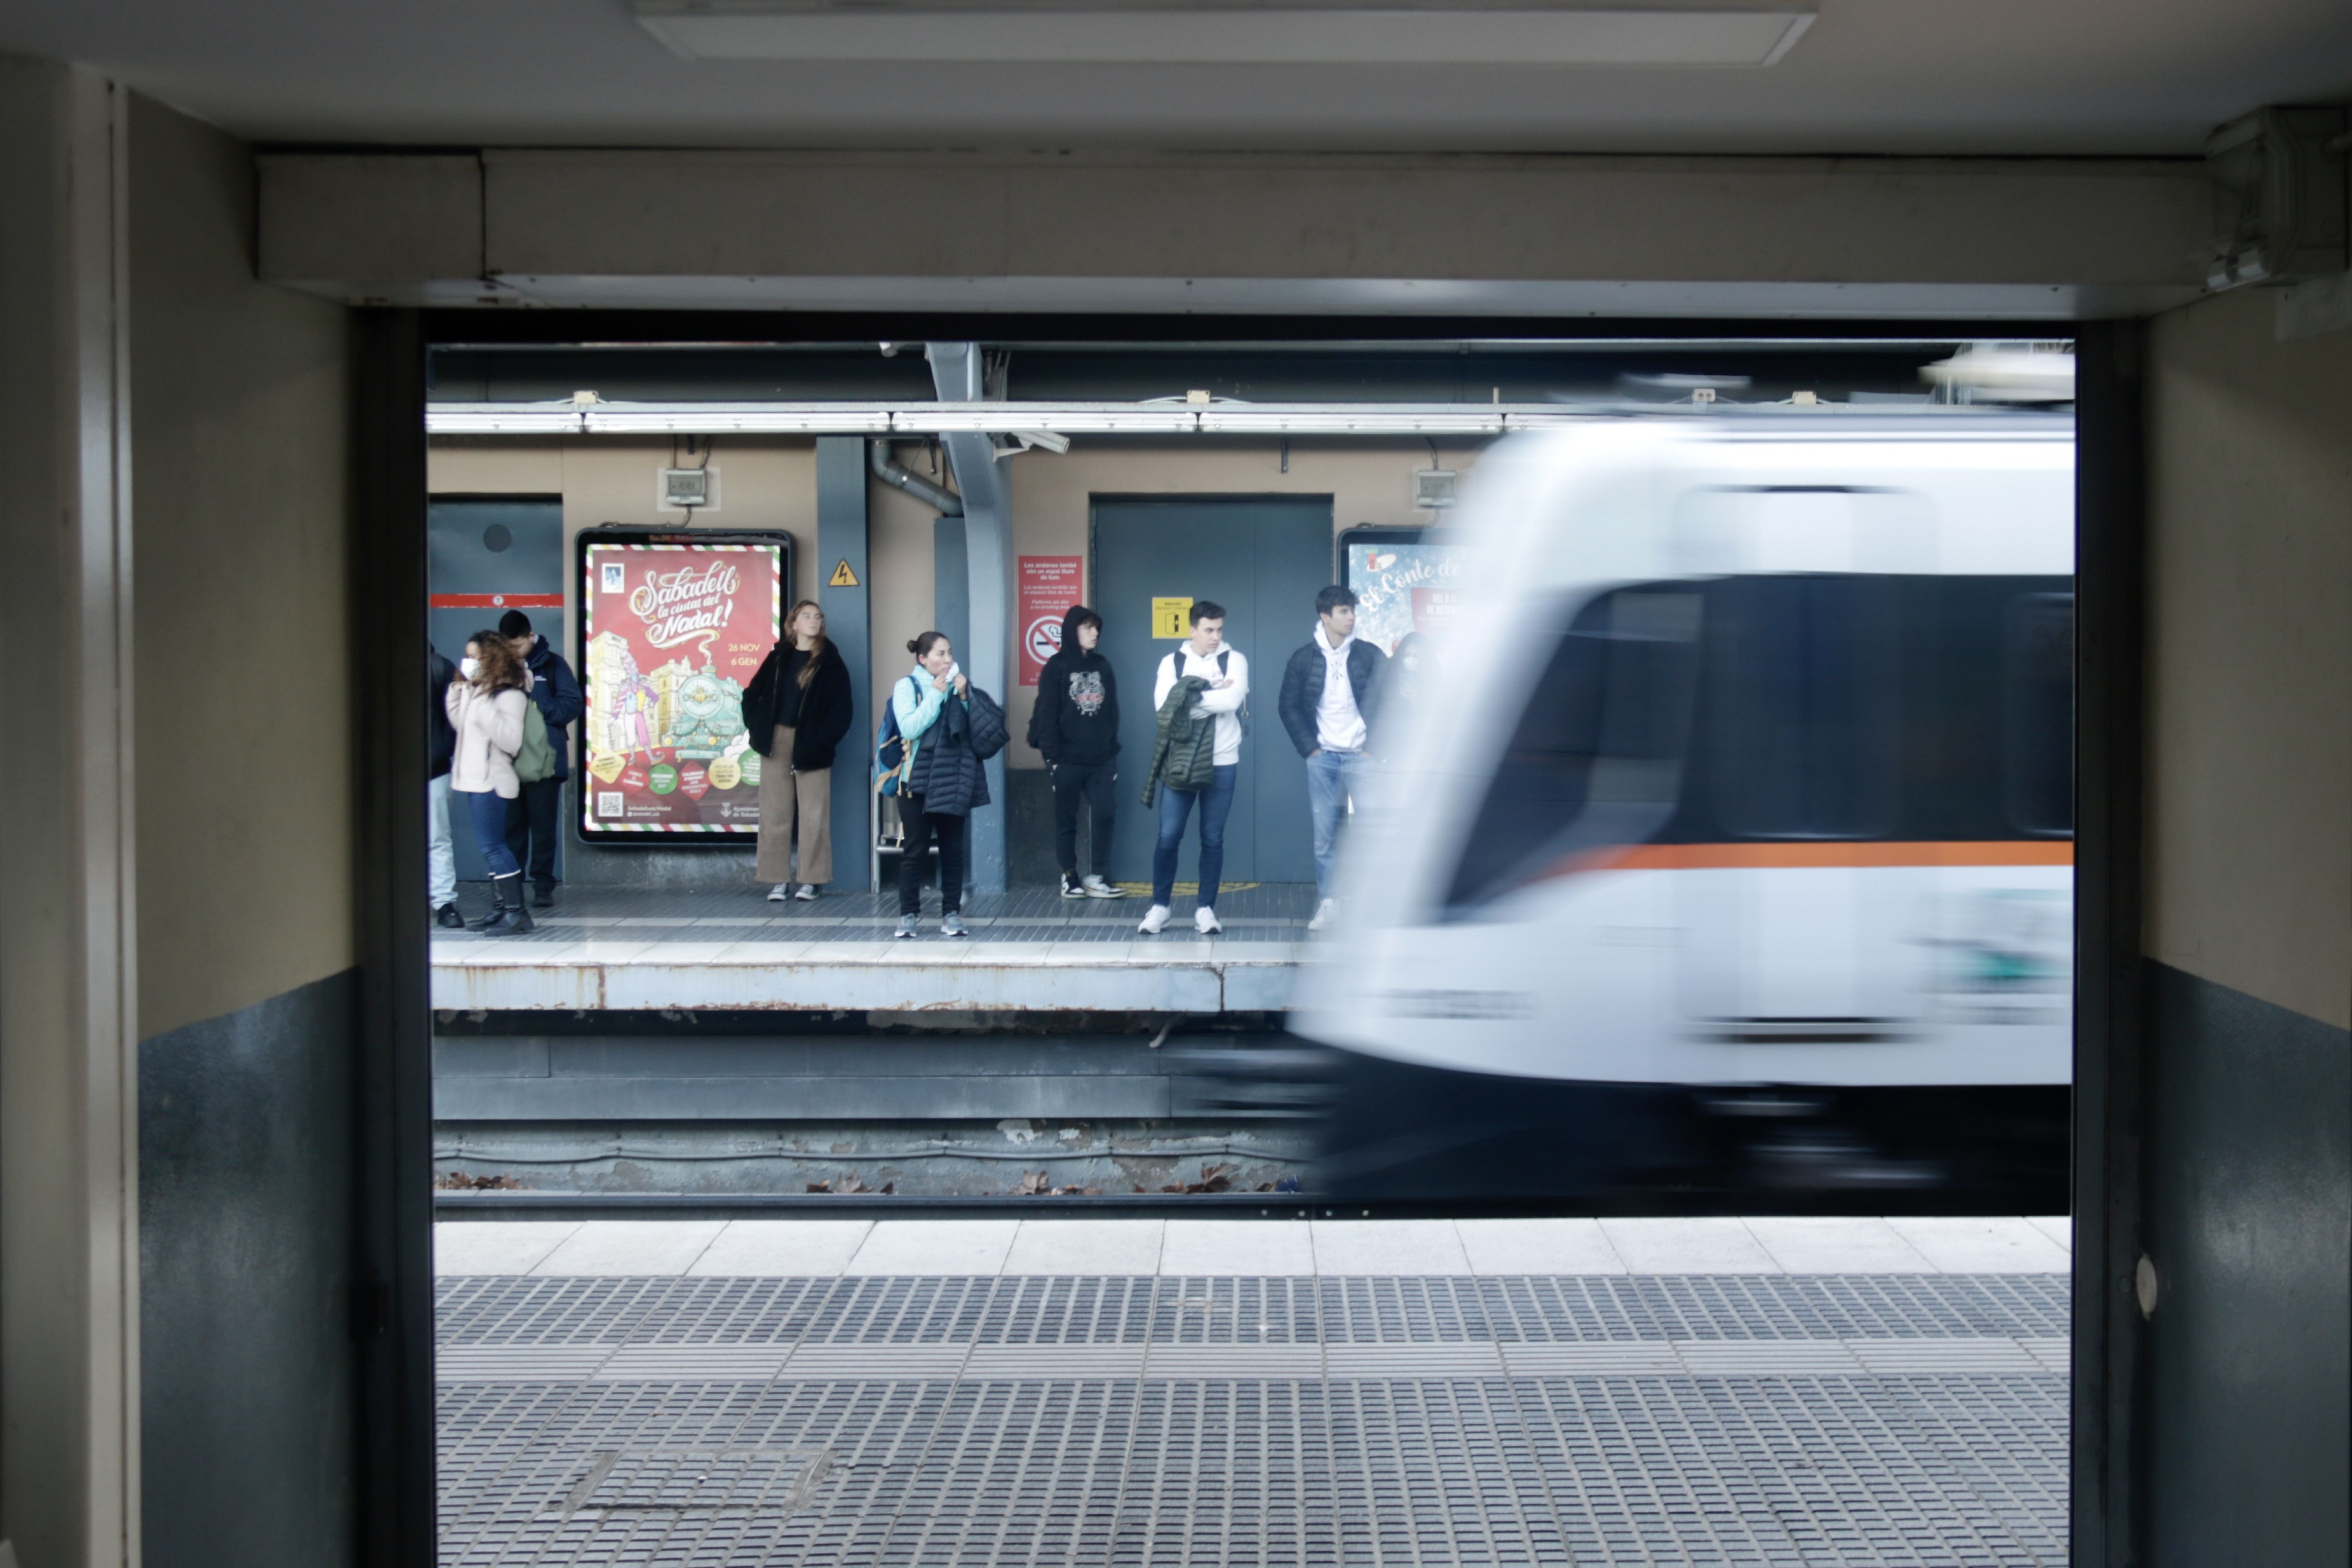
pixel 1296 1421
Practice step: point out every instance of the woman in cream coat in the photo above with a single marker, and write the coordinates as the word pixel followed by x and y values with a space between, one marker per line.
pixel 486 708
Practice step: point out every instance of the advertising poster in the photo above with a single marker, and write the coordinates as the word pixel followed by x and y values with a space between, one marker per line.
pixel 1050 585
pixel 671 634
pixel 1403 587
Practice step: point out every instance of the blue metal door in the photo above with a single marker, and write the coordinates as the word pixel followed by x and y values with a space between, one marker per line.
pixel 1262 558
pixel 486 556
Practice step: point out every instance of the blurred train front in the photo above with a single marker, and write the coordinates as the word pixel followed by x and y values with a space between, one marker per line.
pixel 1724 858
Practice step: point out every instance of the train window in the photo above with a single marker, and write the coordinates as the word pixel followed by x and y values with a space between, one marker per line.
pixel 1803 677
pixel 1594 758
pixel 2038 713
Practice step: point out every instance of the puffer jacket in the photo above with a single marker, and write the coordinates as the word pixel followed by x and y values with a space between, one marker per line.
pixel 948 773
pixel 1184 748
pixel 490 733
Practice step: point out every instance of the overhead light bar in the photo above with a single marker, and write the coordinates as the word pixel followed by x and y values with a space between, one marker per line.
pixel 1011 420
pixel 1352 32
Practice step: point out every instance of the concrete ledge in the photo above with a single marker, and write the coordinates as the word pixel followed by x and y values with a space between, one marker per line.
pixel 1169 976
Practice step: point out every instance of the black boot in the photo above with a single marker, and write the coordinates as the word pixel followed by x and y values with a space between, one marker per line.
pixel 512 905
pixel 497 915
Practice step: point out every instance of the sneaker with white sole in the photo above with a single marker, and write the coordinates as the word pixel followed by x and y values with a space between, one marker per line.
pixel 807 894
pixel 905 928
pixel 1095 887
pixel 1155 919
pixel 776 894
pixel 1204 921
pixel 1325 913
pixel 952 924
pixel 1070 887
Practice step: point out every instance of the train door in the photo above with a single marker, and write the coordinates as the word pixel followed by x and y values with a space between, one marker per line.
pixel 487 555
pixel 1262 558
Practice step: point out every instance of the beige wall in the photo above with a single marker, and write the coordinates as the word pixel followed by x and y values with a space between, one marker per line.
pixel 241 501
pixel 2250 656
pixel 772 483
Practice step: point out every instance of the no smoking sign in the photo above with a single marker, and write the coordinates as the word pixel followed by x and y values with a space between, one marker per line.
pixel 1044 637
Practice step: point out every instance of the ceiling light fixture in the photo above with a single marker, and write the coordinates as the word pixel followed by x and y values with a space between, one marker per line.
pixel 1731 33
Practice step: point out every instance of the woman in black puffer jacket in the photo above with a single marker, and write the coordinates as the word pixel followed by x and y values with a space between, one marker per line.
pixel 797 712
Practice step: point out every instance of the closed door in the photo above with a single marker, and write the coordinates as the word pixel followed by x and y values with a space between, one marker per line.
pixel 1262 558
pixel 486 556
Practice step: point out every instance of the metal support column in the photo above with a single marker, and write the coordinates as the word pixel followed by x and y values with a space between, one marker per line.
pixel 987 518
pixel 842 578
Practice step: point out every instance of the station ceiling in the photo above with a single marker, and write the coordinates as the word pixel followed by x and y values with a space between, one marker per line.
pixel 1915 77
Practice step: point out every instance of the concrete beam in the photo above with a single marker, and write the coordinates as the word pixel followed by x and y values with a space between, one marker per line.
pixel 2055 238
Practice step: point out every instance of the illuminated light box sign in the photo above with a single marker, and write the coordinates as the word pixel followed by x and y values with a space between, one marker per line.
pixel 672 629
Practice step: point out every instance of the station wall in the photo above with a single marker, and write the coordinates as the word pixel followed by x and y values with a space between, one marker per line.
pixel 2248 933
pixel 772 483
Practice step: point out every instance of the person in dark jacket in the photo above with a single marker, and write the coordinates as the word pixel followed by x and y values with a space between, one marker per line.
pixel 944 780
pixel 796 713
pixel 1077 731
pixel 533 814
pixel 440 848
pixel 1329 690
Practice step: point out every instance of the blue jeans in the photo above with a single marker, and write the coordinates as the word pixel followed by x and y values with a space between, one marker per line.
pixel 1175 806
pixel 487 813
pixel 1331 778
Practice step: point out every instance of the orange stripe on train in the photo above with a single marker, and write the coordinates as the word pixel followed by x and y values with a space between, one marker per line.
pixel 1817 854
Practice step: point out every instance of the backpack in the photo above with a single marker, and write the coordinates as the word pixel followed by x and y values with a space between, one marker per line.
pixel 536 760
pixel 890 751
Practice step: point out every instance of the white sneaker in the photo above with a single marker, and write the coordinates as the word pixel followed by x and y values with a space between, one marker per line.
pixel 1155 919
pixel 1095 887
pixel 807 894
pixel 777 894
pixel 1325 913
pixel 1204 921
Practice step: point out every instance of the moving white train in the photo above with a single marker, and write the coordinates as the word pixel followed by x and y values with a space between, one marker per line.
pixel 1731 851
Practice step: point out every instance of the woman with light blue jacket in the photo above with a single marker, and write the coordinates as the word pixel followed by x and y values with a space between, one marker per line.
pixel 920 702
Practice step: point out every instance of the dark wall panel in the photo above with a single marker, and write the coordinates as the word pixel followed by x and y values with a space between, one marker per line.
pixel 2250 1228
pixel 248 1421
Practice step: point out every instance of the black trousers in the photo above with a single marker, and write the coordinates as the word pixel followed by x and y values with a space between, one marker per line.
pixel 531 818
pixel 922 829
pixel 1097 783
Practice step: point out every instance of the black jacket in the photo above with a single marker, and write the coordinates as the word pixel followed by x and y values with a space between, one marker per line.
pixel 1302 688
pixel 557 693
pixel 826 709
pixel 438 673
pixel 1077 702
pixel 949 774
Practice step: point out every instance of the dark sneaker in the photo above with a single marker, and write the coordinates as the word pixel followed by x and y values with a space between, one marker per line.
pixel 1071 888
pixel 447 918
pixel 543 896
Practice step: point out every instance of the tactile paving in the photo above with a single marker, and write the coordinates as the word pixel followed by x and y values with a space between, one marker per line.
pixel 1908 1420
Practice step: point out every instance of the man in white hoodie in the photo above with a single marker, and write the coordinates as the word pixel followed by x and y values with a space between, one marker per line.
pixel 1227 674
pixel 1329 690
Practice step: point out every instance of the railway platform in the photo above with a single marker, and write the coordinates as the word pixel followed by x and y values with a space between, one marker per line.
pixel 1030 951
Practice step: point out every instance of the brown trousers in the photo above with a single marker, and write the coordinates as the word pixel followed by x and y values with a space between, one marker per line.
pixel 787 795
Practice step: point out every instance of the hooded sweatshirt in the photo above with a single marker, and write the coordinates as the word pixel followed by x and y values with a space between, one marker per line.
pixel 1077 702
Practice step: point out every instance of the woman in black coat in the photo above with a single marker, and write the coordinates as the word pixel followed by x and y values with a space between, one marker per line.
pixel 797 711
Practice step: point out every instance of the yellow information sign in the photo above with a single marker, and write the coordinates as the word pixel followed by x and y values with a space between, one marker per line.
pixel 1171 617
pixel 843 577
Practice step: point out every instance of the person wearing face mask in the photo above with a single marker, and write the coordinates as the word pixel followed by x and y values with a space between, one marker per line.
pixel 797 712
pixel 1076 728
pixel 485 712
pixel 944 780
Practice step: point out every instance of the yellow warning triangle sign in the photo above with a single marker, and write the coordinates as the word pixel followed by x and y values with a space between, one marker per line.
pixel 843 577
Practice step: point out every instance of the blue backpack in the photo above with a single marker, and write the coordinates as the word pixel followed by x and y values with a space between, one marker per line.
pixel 890 752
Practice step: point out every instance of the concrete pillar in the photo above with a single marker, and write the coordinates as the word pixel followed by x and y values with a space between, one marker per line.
pixel 987 519
pixel 841 543
pixel 68 1011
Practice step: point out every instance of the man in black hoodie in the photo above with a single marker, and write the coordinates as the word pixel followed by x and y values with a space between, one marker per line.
pixel 1076 728
pixel 533 814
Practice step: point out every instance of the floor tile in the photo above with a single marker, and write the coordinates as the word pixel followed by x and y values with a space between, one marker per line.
pixel 1106 1246
pixel 1687 1247
pixel 1236 1247
pixel 1814 1244
pixel 1390 1247
pixel 1538 1247
pixel 496 1247
pixel 632 1247
pixel 1984 1246
pixel 935 1247
pixel 783 1248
